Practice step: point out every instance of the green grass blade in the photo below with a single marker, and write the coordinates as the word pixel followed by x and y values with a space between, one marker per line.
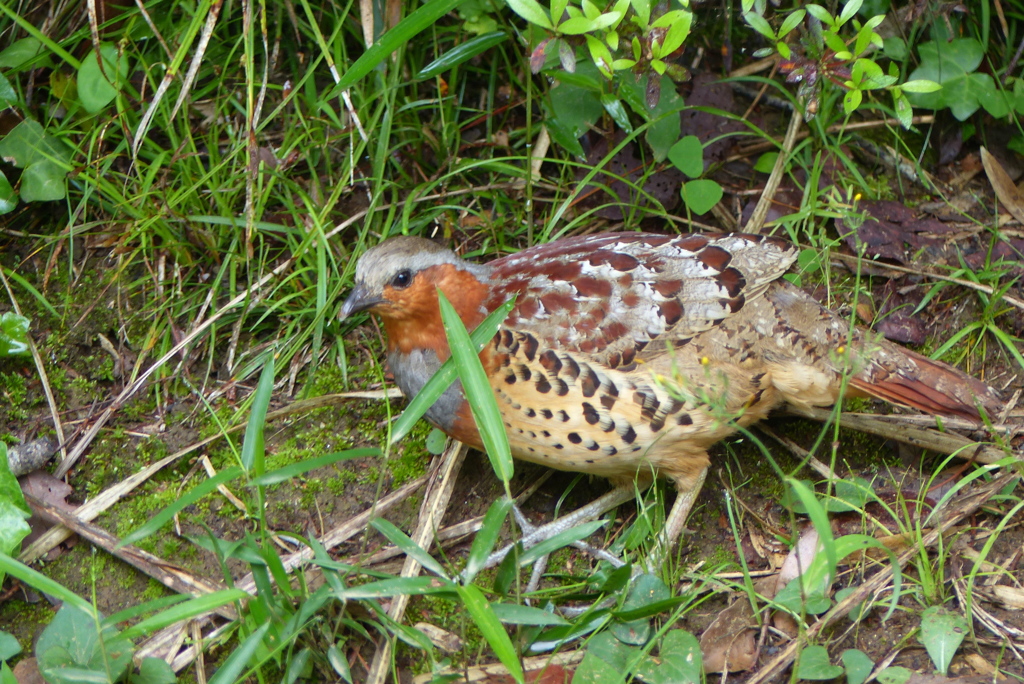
pixel 414 586
pixel 164 516
pixel 478 391
pixel 563 538
pixel 293 470
pixel 851 543
pixel 32 291
pixel 461 53
pixel 44 584
pixel 489 625
pixel 513 614
pixel 951 342
pixel 1009 342
pixel 446 375
pixel 184 611
pixel 405 31
pixel 486 538
pixel 137 610
pixel 819 518
pixel 252 446
pixel 408 546
pixel 238 661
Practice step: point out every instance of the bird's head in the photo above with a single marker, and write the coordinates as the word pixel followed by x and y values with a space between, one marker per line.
pixel 398 280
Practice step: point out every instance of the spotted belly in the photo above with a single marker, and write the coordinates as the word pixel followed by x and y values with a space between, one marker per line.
pixel 568 413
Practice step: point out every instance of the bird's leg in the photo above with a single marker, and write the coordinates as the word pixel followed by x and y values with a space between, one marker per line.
pixel 676 522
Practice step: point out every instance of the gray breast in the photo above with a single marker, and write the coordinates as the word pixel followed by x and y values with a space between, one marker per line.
pixel 412 372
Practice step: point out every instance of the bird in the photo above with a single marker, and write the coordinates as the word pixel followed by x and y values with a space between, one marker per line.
pixel 628 355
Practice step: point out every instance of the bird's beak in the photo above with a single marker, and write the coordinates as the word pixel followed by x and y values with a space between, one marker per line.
pixel 359 300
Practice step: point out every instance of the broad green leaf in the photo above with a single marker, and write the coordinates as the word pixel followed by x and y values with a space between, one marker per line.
pixel 71 649
pixel 607 661
pixel 8 197
pixel 942 632
pixel 581 25
pixel 14 512
pixel 154 671
pixel 835 42
pixel 531 11
pixel 821 14
pixel 850 9
pixel 27 143
pixel 20 52
pixel 954 65
pixel 688 156
pixel 814 664
pixel 766 162
pixel 617 110
pixel 601 56
pixel 793 19
pixel 339 662
pixel 920 86
pixel 13 335
pixel 43 181
pixel 9 646
pixel 643 12
pixel 857 665
pixel 8 96
pixel 435 442
pixel 852 100
pixel 644 590
pixel 895 675
pixel 895 48
pixel 701 195
pixel 98 84
pixel 558 9
pixel 678 31
pixel 573 109
pixel 679 661
pixel 760 24
pixel 665 127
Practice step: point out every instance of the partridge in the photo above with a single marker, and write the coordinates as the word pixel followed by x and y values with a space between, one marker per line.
pixel 628 355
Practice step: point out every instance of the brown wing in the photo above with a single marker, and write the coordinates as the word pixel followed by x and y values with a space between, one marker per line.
pixel 611 295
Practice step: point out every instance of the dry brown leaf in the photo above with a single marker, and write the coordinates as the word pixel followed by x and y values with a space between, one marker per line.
pixel 1010 598
pixel 729 644
pixel 940 679
pixel 443 640
pixel 27 672
pixel 1008 194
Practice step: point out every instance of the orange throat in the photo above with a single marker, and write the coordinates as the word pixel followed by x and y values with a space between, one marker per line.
pixel 412 317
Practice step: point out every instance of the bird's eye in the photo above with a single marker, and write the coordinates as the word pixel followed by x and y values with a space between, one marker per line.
pixel 402 280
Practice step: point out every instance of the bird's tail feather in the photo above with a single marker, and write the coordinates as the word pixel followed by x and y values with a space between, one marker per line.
pixel 904 377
